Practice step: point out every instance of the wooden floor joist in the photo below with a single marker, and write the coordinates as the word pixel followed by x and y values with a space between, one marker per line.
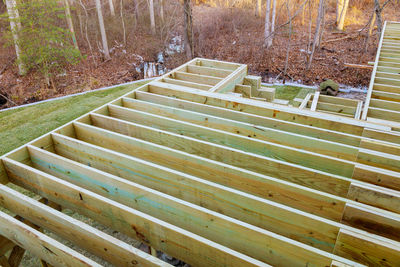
pixel 212 179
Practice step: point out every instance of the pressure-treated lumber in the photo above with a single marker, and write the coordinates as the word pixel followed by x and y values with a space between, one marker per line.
pixel 91 239
pixel 242 128
pixel 131 222
pixel 221 73
pixel 258 108
pixel 106 183
pixel 255 119
pixel 41 245
pixel 188 84
pixel 212 177
pixel 70 148
pixel 385 81
pixel 197 78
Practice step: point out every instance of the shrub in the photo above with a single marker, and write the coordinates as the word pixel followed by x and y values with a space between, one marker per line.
pixel 44 43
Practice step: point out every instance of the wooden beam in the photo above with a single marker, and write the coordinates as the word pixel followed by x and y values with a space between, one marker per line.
pixel 268 166
pixel 196 219
pixel 254 82
pixel 387 88
pixel 242 143
pixel 193 146
pixel 221 73
pixel 266 187
pixel 384 114
pixel 215 64
pixel 346 244
pixel 246 129
pixel 389 64
pixel 334 108
pixel 128 145
pixel 81 234
pixel 386 96
pixel 190 77
pixel 358 112
pixel 247 239
pixel 245 90
pixel 188 84
pixel 338 100
pixel 170 239
pixel 258 185
pixel 387 81
pixel 390 75
pixel 39 244
pixel 315 101
pixel 262 108
pixel 229 83
pixel 234 115
pixel 385 104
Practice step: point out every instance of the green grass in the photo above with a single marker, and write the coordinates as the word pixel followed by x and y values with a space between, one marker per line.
pixel 286 92
pixel 21 125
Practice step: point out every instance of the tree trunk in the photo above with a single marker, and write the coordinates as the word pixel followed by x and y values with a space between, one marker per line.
pixel 288 45
pixel 162 10
pixel 152 20
pixel 70 24
pixel 123 21
pixel 112 10
pixel 273 22
pixel 259 8
pixel 15 25
pixel 102 30
pixel 317 32
pixel 339 8
pixel 341 13
pixel 378 12
pixel 187 9
pixel 267 26
pixel 136 4
pixel 371 28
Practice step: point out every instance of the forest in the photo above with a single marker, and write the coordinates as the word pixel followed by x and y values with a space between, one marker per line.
pixel 52 48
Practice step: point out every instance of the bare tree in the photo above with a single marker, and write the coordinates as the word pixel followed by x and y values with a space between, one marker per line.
pixel 317 32
pixel 162 10
pixel 15 28
pixel 273 21
pixel 152 19
pixel 341 10
pixel 102 30
pixel 70 24
pixel 378 11
pixel 122 20
pixel 258 8
pixel 288 45
pixel 187 9
pixel 112 10
pixel 136 6
pixel 267 26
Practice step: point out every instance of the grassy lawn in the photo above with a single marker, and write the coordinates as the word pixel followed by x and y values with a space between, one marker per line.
pixel 21 125
pixel 286 92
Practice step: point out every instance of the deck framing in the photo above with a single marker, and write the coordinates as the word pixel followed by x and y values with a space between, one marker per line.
pixel 211 179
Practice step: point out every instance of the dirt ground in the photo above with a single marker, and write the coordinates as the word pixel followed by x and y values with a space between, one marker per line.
pixel 224 34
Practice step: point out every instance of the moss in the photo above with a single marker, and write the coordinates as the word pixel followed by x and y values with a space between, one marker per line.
pixel 21 125
pixel 329 83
